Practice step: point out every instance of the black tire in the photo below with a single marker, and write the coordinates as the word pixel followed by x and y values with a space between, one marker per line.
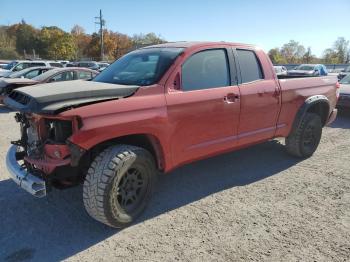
pixel 119 184
pixel 304 140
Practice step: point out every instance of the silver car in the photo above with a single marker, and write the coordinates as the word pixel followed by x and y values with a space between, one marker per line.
pixel 309 70
pixel 344 92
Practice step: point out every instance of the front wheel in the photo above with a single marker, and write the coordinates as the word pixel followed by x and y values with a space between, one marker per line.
pixel 119 184
pixel 304 140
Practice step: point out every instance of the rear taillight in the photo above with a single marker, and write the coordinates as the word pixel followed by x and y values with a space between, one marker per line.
pixel 337 85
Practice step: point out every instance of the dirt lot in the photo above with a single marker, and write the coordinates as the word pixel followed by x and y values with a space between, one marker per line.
pixel 258 204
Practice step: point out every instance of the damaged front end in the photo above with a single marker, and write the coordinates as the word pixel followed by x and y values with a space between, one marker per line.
pixel 43 156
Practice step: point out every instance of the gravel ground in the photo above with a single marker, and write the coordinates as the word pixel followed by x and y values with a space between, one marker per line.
pixel 257 204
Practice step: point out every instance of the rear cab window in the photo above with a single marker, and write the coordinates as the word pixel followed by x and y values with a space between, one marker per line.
pixel 249 66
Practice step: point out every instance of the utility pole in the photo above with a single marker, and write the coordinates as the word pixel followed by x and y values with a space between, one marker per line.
pixel 101 22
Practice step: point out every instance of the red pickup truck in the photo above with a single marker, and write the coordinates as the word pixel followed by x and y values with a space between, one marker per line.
pixel 153 110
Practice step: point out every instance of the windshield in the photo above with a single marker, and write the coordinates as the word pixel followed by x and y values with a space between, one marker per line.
pixel 19 73
pixel 141 67
pixel 10 65
pixel 45 75
pixel 305 67
pixel 345 80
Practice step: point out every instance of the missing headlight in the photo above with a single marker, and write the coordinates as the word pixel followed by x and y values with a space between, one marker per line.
pixel 58 130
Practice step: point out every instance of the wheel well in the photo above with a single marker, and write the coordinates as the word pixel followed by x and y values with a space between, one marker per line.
pixel 320 108
pixel 146 141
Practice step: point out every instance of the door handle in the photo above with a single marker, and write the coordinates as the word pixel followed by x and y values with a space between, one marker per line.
pixel 230 98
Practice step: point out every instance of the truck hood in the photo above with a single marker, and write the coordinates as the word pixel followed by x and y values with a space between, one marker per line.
pixel 8 81
pixel 57 97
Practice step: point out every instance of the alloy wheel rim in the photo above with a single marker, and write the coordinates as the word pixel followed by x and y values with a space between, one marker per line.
pixel 131 189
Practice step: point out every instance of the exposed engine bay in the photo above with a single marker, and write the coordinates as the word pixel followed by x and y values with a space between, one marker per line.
pixel 43 148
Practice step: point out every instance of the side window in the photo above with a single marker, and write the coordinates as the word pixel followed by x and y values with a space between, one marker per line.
pixel 43 71
pixel 20 66
pixel 32 74
pixel 206 69
pixel 250 66
pixel 56 64
pixel 84 75
pixel 37 64
pixel 64 76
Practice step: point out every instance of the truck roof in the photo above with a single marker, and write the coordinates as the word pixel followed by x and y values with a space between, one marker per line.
pixel 186 44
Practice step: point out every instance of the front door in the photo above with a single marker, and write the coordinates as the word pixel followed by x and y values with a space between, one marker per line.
pixel 204 110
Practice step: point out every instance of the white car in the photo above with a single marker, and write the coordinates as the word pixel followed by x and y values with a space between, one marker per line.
pixel 280 70
pixel 18 65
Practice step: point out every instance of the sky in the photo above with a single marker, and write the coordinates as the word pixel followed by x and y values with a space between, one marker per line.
pixel 266 23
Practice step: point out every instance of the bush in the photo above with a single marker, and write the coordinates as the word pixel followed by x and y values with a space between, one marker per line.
pixel 8 54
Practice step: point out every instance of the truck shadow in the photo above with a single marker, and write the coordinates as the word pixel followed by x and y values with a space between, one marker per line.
pixel 58 227
pixel 342 120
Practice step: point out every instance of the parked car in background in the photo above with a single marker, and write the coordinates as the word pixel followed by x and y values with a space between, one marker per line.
pixel 19 65
pixel 3 65
pixel 53 75
pixel 71 64
pixel 102 66
pixel 344 73
pixel 309 70
pixel 30 72
pixel 344 92
pixel 280 70
pixel 63 62
pixel 88 64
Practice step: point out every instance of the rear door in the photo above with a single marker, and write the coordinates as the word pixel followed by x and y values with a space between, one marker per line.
pixel 260 98
pixel 204 109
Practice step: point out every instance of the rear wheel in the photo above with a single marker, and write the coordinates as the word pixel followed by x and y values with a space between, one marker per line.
pixel 119 184
pixel 304 140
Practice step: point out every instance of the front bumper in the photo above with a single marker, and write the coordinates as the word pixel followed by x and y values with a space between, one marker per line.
pixel 32 184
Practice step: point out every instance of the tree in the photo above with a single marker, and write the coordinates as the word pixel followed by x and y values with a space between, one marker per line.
pixel 141 40
pixel 293 52
pixel 81 41
pixel 330 56
pixel 115 45
pixel 7 45
pixel 57 44
pixel 26 37
pixel 77 30
pixel 308 57
pixel 341 49
pixel 119 44
pixel 51 42
pixel 276 56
